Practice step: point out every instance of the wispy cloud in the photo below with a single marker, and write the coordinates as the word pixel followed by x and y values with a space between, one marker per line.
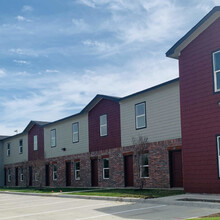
pixel 2 73
pixel 52 71
pixel 21 62
pixel 22 18
pixel 27 8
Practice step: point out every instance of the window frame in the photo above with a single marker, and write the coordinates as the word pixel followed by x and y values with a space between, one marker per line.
pixel 21 146
pixel 35 139
pixel 8 149
pixel 9 175
pixel 54 172
pixel 74 141
pixel 105 168
pixel 136 116
pixel 76 170
pixel 143 166
pixel 215 72
pixel 21 174
pixel 103 125
pixel 55 135
pixel 218 154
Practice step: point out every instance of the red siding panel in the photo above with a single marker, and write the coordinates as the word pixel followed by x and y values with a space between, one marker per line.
pixel 113 139
pixel 200 113
pixel 38 154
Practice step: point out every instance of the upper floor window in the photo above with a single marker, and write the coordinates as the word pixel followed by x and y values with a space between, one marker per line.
pixel 218 155
pixel 35 142
pixel 8 150
pixel 20 146
pixel 140 115
pixel 53 138
pixel 75 132
pixel 144 167
pixel 103 125
pixel 216 69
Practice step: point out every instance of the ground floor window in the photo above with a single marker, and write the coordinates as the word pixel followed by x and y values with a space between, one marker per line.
pixel 144 167
pixel 105 168
pixel 77 170
pixel 9 175
pixel 35 176
pixel 218 154
pixel 21 174
pixel 55 171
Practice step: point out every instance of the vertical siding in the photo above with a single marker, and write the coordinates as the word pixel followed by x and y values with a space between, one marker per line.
pixel 36 154
pixel 162 111
pixel 200 112
pixel 15 157
pixel 64 137
pixel 1 165
pixel 113 138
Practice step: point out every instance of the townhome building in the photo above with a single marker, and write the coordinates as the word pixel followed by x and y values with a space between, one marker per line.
pixel 198 53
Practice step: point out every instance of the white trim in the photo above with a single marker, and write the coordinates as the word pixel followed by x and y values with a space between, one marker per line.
pixel 105 168
pixel 142 166
pixel 21 174
pixel 215 71
pixel 140 116
pixel 35 142
pixel 75 132
pixel 77 170
pixel 103 126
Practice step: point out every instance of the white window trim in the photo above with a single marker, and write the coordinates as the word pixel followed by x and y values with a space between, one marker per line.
pixel 215 72
pixel 77 170
pixel 21 175
pixel 75 132
pixel 218 154
pixel 53 138
pixel 54 172
pixel 103 170
pixel 35 142
pixel 139 116
pixel 143 166
pixel 103 125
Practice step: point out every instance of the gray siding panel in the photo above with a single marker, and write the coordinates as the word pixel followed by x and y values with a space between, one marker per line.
pixel 15 157
pixel 64 137
pixel 1 165
pixel 163 115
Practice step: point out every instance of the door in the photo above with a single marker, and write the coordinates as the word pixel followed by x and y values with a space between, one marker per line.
pixel 128 170
pixel 30 176
pixel 68 173
pixel 94 172
pixel 16 176
pixel 47 174
pixel 176 174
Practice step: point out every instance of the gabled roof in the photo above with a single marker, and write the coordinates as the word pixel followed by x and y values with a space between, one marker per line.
pixel 150 89
pixel 32 123
pixel 3 137
pixel 174 52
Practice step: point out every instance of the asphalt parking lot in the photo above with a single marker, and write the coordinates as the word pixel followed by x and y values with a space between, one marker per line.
pixel 42 207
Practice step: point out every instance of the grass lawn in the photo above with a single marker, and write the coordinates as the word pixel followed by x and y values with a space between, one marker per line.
pixel 210 217
pixel 135 193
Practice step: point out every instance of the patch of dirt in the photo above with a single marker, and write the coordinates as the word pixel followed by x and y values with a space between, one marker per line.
pixel 214 215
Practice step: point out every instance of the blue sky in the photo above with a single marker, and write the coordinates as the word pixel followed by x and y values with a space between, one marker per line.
pixel 55 56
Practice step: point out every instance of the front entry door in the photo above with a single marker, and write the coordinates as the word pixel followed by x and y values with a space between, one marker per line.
pixel 176 174
pixel 47 174
pixel 128 170
pixel 94 172
pixel 68 173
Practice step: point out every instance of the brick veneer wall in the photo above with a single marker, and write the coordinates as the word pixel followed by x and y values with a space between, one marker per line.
pixel 158 167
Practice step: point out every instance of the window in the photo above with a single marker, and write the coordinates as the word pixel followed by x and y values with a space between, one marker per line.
pixel 8 150
pixel 218 156
pixel 75 132
pixel 9 175
pixel 35 176
pixel 103 125
pixel 35 143
pixel 21 146
pixel 53 138
pixel 144 167
pixel 216 70
pixel 106 168
pixel 77 170
pixel 21 174
pixel 55 172
pixel 140 114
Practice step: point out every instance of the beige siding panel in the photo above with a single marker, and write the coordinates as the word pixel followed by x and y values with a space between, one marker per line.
pixel 163 115
pixel 64 137
pixel 15 156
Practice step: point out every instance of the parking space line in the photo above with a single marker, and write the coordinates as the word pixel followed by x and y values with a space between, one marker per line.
pixel 120 212
pixel 48 212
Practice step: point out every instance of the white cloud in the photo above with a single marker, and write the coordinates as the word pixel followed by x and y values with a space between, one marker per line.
pixel 87 3
pixel 27 8
pixel 22 18
pixel 52 71
pixel 2 73
pixel 21 61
